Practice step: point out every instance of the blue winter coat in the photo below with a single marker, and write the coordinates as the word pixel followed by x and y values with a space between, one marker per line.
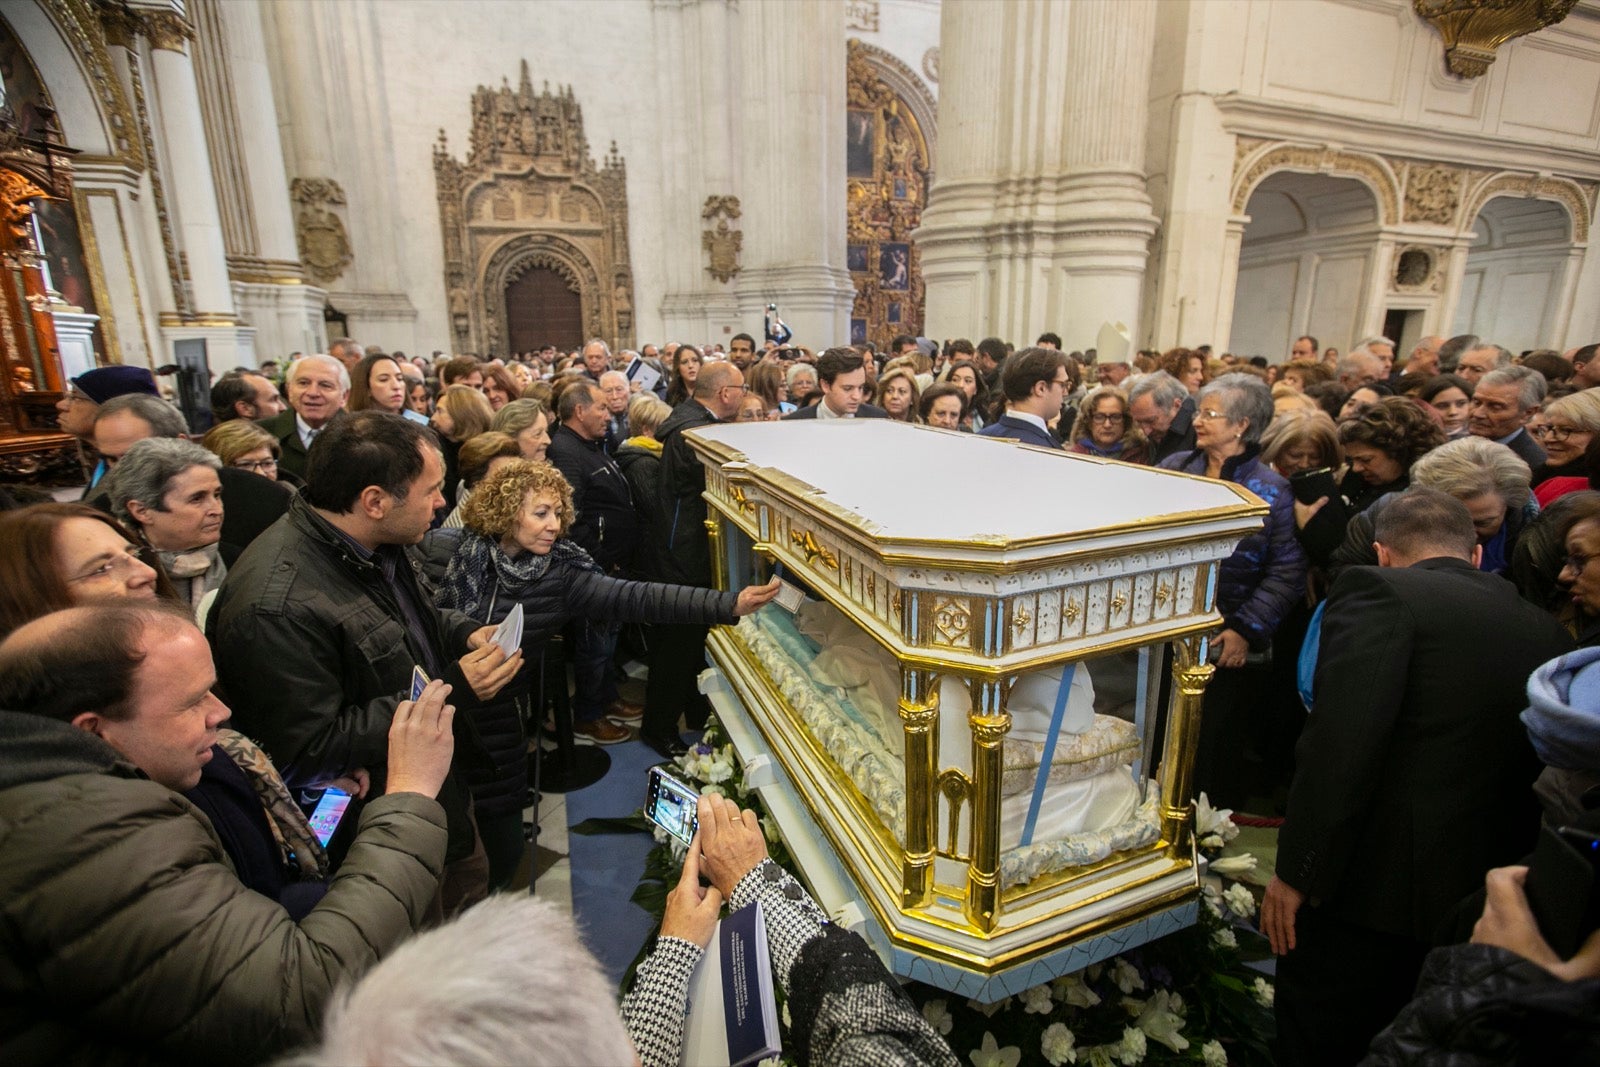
pixel 1266 575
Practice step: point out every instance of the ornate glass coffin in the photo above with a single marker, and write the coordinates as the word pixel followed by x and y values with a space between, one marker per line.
pixel 970 713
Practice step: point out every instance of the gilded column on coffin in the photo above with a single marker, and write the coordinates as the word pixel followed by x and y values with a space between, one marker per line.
pixel 919 716
pixel 1190 674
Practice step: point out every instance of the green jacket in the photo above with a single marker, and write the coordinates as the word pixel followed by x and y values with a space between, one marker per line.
pixel 125 935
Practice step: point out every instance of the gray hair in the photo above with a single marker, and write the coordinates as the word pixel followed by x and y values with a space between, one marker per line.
pixel 1450 351
pixel 1581 409
pixel 506 982
pixel 164 419
pixel 612 374
pixel 147 471
pixel 796 369
pixel 1367 344
pixel 1243 397
pixel 1471 466
pixel 1502 355
pixel 517 416
pixel 1531 386
pixel 1160 387
pixel 595 341
pixel 1349 364
pixel 344 373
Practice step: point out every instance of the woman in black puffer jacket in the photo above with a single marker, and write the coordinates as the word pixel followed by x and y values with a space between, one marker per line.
pixel 514 551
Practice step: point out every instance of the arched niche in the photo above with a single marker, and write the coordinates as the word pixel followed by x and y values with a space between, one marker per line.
pixel 1305 262
pixel 530 193
pixel 1513 285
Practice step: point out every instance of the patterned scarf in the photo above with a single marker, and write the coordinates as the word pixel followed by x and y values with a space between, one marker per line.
pixel 480 571
pixel 290 829
pixel 195 572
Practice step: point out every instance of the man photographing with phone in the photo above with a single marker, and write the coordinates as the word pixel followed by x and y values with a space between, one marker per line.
pixel 125 927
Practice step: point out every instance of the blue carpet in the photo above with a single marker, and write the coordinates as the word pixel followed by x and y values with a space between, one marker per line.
pixel 606 868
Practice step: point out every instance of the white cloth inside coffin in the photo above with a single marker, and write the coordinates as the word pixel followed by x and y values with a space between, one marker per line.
pixel 1090 784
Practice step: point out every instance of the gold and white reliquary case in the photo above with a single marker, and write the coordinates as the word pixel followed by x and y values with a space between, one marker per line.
pixel 984 722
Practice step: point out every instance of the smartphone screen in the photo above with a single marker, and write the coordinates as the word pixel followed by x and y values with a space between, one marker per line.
pixel 671 805
pixel 324 818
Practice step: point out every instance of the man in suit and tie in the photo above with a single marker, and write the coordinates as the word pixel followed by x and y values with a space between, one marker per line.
pixel 844 379
pixel 1035 382
pixel 318 387
pixel 1414 775
pixel 1502 404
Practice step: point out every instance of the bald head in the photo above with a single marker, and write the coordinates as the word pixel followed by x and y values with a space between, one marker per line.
pixel 712 388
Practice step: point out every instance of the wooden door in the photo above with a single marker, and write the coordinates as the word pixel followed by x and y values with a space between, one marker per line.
pixel 542 308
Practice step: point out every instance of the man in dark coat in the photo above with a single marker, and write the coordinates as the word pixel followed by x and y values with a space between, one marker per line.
pixel 843 375
pixel 606 527
pixel 678 653
pixel 318 386
pixel 1035 382
pixel 319 625
pixel 1414 775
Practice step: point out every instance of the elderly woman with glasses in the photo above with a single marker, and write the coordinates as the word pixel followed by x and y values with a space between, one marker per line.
pixel 1569 427
pixel 1256 586
pixel 1104 429
pixel 245 446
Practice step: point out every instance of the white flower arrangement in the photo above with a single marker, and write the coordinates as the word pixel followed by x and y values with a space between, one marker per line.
pixel 1160 1019
pixel 1056 1044
pixel 1214 1054
pixel 1126 975
pixel 1265 991
pixel 1133 1047
pixel 937 1015
pixel 1225 937
pixel 1209 821
pixel 1072 990
pixel 1240 900
pixel 1037 1001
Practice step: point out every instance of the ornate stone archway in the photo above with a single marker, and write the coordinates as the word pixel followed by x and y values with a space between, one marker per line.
pixel 529 194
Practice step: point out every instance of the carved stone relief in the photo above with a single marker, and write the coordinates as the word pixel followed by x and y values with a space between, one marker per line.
pixel 1433 194
pixel 1473 29
pixel 722 242
pixel 325 250
pixel 1419 269
pixel 530 194
pixel 930 64
pixel 861 15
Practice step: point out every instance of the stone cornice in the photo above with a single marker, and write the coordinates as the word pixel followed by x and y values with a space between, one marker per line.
pixel 1275 120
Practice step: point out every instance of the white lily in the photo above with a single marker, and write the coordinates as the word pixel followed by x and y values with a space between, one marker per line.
pixel 1240 900
pixel 1233 866
pixel 1161 1022
pixel 1037 1000
pixel 1126 975
pixel 1214 1054
pixel 991 1055
pixel 1209 820
pixel 1071 989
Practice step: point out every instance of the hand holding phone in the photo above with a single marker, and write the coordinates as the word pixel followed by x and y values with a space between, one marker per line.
pixel 671 805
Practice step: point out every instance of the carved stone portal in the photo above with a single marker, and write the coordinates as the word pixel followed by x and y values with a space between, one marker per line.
pixel 1474 29
pixel 529 195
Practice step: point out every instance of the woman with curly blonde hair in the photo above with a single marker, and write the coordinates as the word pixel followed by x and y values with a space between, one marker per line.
pixel 514 550
pixel 1103 428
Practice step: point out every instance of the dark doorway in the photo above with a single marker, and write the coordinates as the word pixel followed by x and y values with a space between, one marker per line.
pixel 542 308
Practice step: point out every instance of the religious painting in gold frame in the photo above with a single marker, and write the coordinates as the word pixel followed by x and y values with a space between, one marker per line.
pixel 887 167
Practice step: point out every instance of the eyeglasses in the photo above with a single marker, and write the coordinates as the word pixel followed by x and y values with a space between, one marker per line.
pixel 260 466
pixel 1107 418
pixel 1557 434
pixel 738 388
pixel 120 562
pixel 1209 413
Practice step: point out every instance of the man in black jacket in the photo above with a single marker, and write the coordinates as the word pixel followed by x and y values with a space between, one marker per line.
pixel 318 626
pixel 1414 775
pixel 607 527
pixel 678 653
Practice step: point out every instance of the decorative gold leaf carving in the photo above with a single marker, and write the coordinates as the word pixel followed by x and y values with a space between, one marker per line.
pixel 807 543
pixel 1473 29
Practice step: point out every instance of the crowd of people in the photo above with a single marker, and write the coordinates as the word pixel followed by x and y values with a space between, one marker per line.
pixel 296 591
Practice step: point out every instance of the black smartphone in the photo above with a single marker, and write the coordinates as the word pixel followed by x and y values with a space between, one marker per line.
pixel 1561 887
pixel 672 805
pixel 1310 486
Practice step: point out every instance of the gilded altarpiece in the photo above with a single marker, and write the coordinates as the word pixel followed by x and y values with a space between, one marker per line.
pixel 529 196
pixel 888 165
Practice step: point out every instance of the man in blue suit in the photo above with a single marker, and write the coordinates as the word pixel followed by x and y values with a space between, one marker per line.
pixel 1035 382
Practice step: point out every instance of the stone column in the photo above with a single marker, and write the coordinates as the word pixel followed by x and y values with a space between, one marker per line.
pixel 789 95
pixel 1039 218
pixel 253 189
